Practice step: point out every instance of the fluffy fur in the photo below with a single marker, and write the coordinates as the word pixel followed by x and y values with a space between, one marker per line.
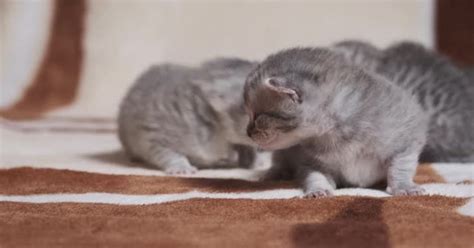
pixel 334 124
pixel 179 118
pixel 444 90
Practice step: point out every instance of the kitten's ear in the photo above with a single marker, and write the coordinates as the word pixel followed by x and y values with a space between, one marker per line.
pixel 279 86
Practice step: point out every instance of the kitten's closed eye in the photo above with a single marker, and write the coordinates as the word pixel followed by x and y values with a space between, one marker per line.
pixel 280 116
pixel 273 120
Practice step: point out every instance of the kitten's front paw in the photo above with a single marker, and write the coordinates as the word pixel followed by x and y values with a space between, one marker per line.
pixel 317 193
pixel 181 170
pixel 408 190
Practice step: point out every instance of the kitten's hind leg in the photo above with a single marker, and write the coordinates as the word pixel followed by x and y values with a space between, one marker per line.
pixel 400 174
pixel 316 184
pixel 170 162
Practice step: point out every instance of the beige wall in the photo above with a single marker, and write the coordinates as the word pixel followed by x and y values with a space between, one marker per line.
pixel 123 37
pixel 24 28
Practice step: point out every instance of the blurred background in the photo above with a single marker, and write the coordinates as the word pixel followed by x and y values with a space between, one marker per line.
pixel 78 57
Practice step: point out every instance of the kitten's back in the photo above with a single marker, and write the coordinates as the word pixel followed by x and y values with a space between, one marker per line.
pixel 163 100
pixel 444 91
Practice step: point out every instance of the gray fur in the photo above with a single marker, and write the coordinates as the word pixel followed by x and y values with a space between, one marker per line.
pixel 445 91
pixel 178 118
pixel 333 124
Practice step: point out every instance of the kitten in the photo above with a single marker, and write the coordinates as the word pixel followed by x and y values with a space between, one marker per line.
pixel 179 118
pixel 445 91
pixel 334 124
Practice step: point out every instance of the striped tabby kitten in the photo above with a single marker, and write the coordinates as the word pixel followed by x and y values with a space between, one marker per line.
pixel 445 91
pixel 178 118
pixel 333 123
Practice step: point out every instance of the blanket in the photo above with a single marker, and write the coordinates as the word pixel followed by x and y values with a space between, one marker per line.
pixel 65 182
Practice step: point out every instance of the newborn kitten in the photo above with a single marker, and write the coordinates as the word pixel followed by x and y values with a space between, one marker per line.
pixel 178 118
pixel 445 91
pixel 333 123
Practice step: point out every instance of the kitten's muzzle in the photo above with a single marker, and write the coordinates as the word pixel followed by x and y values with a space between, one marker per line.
pixel 255 133
pixel 261 137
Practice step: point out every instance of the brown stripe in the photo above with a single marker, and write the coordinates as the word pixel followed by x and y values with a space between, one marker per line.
pixel 426 174
pixel 21 181
pixel 57 79
pixel 425 221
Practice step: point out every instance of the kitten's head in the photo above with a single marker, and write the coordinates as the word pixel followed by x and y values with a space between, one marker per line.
pixel 281 96
pixel 274 111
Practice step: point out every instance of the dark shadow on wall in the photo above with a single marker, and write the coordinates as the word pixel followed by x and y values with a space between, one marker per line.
pixel 360 224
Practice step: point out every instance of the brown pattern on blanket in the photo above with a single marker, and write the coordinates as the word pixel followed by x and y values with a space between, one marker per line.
pixel 39 181
pixel 424 221
pixel 25 181
pixel 343 221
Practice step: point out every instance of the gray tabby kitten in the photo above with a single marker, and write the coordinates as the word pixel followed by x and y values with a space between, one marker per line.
pixel 445 91
pixel 178 118
pixel 334 124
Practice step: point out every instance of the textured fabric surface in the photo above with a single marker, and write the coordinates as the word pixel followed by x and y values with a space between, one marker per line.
pixel 50 207
pixel 65 182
